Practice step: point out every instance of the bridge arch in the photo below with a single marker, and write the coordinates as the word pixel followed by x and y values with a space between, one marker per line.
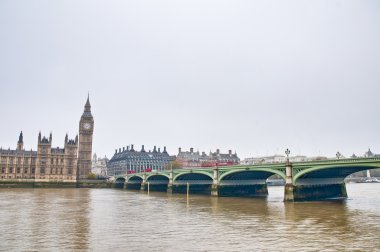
pixel 261 170
pixel 247 182
pixel 199 182
pixel 157 182
pixel 324 181
pixel 119 182
pixel 336 173
pixel 134 182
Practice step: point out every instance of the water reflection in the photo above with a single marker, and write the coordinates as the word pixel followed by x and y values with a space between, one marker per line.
pixel 334 212
pixel 45 218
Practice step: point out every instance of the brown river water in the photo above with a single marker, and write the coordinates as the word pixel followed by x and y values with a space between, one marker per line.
pixel 120 220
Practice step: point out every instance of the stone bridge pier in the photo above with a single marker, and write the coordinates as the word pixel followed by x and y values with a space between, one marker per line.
pixel 170 183
pixel 289 187
pixel 215 183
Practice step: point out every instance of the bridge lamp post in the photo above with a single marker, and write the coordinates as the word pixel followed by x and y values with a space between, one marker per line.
pixel 289 188
pixel 287 152
pixel 338 155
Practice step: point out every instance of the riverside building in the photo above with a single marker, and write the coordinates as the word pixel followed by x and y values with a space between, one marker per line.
pixel 48 163
pixel 128 160
pixel 99 166
pixel 190 159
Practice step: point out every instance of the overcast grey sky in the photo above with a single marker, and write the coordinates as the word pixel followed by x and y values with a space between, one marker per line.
pixel 252 76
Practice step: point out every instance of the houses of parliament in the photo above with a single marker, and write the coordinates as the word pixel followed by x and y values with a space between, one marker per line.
pixel 68 164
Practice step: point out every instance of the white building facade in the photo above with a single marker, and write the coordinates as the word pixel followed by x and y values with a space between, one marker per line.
pixel 99 165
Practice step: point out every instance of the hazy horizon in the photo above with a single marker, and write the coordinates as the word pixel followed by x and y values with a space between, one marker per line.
pixel 252 76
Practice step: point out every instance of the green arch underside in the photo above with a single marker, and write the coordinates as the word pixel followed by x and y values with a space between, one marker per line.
pixel 278 172
pixel 134 176
pixel 158 175
pixel 192 172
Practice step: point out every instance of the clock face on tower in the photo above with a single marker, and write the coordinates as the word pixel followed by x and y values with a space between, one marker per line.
pixel 87 126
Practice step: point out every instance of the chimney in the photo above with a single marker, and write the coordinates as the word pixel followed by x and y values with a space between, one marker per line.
pixel 132 147
pixel 115 151
pixel 127 148
pixel 119 150
pixel 123 149
pixel 191 150
pixel 142 148
pixel 217 151
pixel 154 149
pixel 230 152
pixel 179 150
pixel 164 150
pixel 159 150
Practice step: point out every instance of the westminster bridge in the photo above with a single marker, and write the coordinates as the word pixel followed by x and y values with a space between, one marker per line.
pixel 314 180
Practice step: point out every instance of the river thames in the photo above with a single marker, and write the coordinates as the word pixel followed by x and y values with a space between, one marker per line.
pixel 120 220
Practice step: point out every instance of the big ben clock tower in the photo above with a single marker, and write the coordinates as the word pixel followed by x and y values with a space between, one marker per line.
pixel 86 130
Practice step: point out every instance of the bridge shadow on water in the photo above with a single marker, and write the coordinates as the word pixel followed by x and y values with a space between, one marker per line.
pixel 229 206
pixel 330 215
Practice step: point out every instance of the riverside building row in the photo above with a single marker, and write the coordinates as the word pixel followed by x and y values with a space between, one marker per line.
pixel 129 160
pixel 47 163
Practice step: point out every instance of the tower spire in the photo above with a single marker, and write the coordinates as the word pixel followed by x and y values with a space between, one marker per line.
pixel 87 107
pixel 20 143
pixel 20 138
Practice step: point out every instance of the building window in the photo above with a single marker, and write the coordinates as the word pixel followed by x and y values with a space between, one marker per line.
pixel 26 170
pixel 33 170
pixel 10 169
